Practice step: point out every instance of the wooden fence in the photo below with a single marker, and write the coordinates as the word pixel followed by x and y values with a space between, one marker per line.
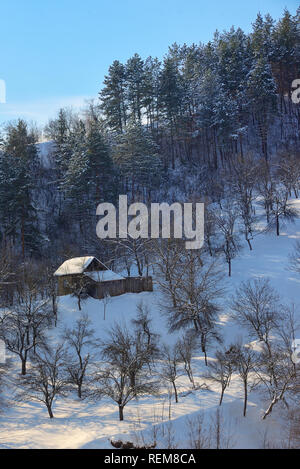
pixel 119 287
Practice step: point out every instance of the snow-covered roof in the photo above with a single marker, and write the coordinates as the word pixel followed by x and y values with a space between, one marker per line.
pixel 103 276
pixel 77 265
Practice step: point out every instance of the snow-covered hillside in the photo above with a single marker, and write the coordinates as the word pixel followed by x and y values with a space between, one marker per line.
pixel 44 152
pixel 86 424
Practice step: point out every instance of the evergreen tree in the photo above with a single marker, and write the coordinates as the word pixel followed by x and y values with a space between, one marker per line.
pixel 18 169
pixel 151 92
pixel 286 52
pixel 234 60
pixel 135 80
pixel 136 154
pixel 261 90
pixel 102 174
pixel 113 97
pixel 75 183
pixel 171 98
pixel 261 37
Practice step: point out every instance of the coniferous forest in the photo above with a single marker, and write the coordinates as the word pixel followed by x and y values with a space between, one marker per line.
pixel 187 125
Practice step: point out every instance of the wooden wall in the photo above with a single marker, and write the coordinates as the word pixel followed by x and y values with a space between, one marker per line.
pixel 119 287
pixel 101 289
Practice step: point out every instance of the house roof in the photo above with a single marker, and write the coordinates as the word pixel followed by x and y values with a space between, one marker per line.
pixel 103 276
pixel 77 265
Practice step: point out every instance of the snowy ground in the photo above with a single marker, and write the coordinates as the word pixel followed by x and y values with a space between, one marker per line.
pixel 90 425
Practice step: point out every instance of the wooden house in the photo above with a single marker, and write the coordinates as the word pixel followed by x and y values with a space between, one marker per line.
pixel 89 275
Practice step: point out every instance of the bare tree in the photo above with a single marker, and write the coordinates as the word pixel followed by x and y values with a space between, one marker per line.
pixel 142 324
pixel 288 173
pixel 282 208
pixel 244 360
pixel 242 180
pixel 288 328
pixel 170 438
pixel 23 328
pixel 255 306
pixel 46 380
pixel 169 367
pixel 79 338
pixel 79 290
pixel 197 289
pixel 226 221
pixel 210 229
pixel 52 291
pixel 168 254
pixel 124 374
pixel 199 437
pixel 220 434
pixel 265 187
pixel 186 346
pixel 132 251
pixel 276 372
pixel 292 428
pixel 220 371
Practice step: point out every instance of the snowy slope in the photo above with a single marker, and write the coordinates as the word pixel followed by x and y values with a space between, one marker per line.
pixel 45 150
pixel 91 425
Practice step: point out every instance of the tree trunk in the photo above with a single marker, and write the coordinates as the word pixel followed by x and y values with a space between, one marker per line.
pixel 190 374
pixel 50 411
pixel 270 408
pixel 245 398
pixel 121 413
pixel 205 357
pixel 23 366
pixel 175 392
pixel 23 237
pixel 54 309
pixel 222 395
pixel 203 348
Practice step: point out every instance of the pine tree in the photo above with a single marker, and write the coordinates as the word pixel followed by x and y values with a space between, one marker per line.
pixel 136 154
pixel 18 167
pixel 286 53
pixel 102 173
pixel 261 37
pixel 113 97
pixel 152 69
pixel 234 60
pixel 217 114
pixel 171 99
pixel 135 81
pixel 75 184
pixel 261 90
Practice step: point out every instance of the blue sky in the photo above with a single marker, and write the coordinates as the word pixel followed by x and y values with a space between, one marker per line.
pixel 56 52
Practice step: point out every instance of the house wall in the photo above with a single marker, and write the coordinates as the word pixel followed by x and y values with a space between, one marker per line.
pixel 67 283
